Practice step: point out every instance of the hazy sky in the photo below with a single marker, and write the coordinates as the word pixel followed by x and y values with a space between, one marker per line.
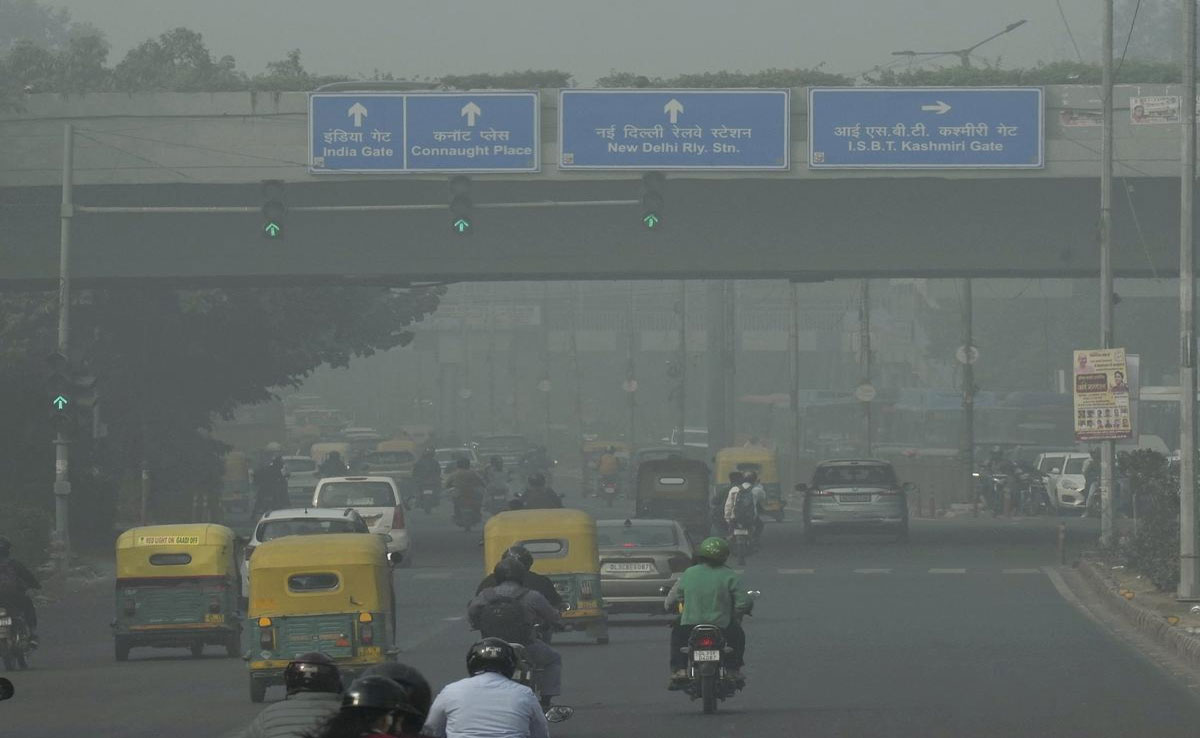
pixel 436 37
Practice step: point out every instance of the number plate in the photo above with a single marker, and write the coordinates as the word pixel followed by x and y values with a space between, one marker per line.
pixel 369 651
pixel 741 532
pixel 214 618
pixel 625 567
pixel 706 655
pixel 428 493
pixel 854 498
pixel 5 621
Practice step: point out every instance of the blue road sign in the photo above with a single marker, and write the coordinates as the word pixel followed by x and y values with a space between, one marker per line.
pixel 925 128
pixel 673 129
pixel 390 132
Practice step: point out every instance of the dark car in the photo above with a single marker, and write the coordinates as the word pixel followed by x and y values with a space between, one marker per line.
pixel 855 495
pixel 637 559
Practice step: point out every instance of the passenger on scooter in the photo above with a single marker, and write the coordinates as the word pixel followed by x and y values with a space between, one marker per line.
pixel 532 580
pixel 711 594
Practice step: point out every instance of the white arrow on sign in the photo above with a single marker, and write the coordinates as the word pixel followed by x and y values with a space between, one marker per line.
pixel 358 112
pixel 940 108
pixel 470 110
pixel 673 108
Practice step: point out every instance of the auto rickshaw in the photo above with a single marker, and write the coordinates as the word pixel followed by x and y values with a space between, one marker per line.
pixel 330 593
pixel 319 451
pixel 756 459
pixel 675 489
pixel 563 544
pixel 177 587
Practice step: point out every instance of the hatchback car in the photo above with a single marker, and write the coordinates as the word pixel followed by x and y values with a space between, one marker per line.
pixel 1066 484
pixel 637 559
pixel 855 495
pixel 377 500
pixel 305 521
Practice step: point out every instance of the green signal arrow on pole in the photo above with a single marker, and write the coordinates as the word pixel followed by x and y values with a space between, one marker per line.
pixel 651 220
pixel 462 225
pixel 59 402
pixel 272 229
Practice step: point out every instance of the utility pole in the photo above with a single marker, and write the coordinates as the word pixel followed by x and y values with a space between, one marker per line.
pixel 62 479
pixel 631 367
pixel 968 392
pixel 1107 448
pixel 797 437
pixel 576 318
pixel 681 394
pixel 1189 567
pixel 864 344
pixel 544 384
pixel 729 361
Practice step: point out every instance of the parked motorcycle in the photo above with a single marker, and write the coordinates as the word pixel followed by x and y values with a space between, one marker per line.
pixel 15 645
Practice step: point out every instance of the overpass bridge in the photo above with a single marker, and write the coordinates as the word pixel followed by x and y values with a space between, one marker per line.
pixel 199 149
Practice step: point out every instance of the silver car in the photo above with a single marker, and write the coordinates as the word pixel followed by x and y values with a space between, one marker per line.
pixel 855 494
pixel 637 559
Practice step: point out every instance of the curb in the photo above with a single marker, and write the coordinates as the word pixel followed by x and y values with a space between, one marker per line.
pixel 1143 619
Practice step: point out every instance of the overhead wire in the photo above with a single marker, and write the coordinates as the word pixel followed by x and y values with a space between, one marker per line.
pixel 196 147
pixel 1062 13
pixel 135 156
pixel 1128 37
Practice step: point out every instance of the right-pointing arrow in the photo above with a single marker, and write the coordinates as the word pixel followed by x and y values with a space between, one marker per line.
pixel 940 108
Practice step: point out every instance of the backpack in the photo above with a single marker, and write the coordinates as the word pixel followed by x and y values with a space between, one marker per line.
pixel 506 618
pixel 744 510
pixel 10 580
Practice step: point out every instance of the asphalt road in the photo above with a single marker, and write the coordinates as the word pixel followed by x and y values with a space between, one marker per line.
pixel 960 632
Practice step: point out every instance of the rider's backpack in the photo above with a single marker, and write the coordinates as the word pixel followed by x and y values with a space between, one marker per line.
pixel 744 512
pixel 506 617
pixel 10 580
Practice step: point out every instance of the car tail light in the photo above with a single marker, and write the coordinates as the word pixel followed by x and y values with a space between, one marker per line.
pixel 398 518
pixel 679 563
pixel 706 642
pixel 818 492
pixel 585 589
pixel 890 492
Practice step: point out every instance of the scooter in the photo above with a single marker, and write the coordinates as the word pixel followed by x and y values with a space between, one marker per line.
pixel 609 490
pixel 15 645
pixel 429 499
pixel 527 674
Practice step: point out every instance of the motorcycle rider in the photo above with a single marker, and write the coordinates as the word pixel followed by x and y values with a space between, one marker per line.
pixel 736 490
pixel 488 702
pixel 373 707
pixel 15 581
pixel 270 488
pixel 540 495
pixel 314 694
pixel 496 480
pixel 531 579
pixel 720 501
pixel 420 695
pixel 608 468
pixel 712 594
pixel 333 466
pixel 760 500
pixel 511 611
pixel 468 487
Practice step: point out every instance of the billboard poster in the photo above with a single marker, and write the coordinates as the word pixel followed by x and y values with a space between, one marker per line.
pixel 1102 395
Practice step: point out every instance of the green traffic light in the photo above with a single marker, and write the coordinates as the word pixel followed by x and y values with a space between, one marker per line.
pixel 651 220
pixel 272 230
pixel 60 402
pixel 461 225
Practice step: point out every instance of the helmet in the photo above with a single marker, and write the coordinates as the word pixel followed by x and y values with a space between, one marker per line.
pixel 520 553
pixel 751 477
pixel 735 477
pixel 492 654
pixel 420 695
pixel 714 549
pixel 312 672
pixel 537 480
pixel 5 546
pixel 377 693
pixel 509 569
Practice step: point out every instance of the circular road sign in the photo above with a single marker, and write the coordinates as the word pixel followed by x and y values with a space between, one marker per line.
pixel 630 385
pixel 464 393
pixel 543 385
pixel 967 354
pixel 865 392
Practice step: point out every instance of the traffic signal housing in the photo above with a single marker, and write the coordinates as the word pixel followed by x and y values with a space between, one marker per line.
pixel 653 203
pixel 68 393
pixel 273 209
pixel 461 206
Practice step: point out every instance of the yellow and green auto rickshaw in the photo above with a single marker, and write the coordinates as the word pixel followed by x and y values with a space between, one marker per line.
pixel 329 593
pixel 675 489
pixel 563 544
pixel 760 460
pixel 177 587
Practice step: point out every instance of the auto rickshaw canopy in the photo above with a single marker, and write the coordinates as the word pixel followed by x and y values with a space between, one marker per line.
pixel 562 541
pixel 747 458
pixel 306 575
pixel 171 551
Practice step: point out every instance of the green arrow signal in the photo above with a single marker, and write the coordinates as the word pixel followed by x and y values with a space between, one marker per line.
pixel 651 220
pixel 59 402
pixel 462 225
pixel 272 230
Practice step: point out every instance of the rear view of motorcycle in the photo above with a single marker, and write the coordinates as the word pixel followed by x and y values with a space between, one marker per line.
pixel 15 646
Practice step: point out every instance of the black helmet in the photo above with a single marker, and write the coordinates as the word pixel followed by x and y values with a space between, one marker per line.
pixel 520 553
pixel 312 672
pixel 492 654
pixel 377 693
pixel 420 695
pixel 751 477
pixel 5 546
pixel 509 569
pixel 537 480
pixel 735 477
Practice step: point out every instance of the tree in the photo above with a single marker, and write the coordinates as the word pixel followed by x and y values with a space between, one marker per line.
pixel 177 61
pixel 289 74
pixel 32 22
pixel 515 80
pixel 764 78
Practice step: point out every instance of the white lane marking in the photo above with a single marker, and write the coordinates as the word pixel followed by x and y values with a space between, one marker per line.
pixel 1020 571
pixel 453 619
pixel 434 575
pixel 795 571
pixel 947 571
pixel 872 571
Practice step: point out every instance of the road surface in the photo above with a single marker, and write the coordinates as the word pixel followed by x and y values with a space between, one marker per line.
pixel 961 632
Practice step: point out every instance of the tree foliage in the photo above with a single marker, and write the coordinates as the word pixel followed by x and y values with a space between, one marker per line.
pixel 176 61
pixel 737 79
pixel 289 74
pixel 1054 73
pixel 515 80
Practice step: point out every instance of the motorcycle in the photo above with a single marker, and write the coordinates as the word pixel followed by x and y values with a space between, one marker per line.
pixel 740 543
pixel 467 517
pixel 709 676
pixel 526 674
pixel 428 498
pixel 609 489
pixel 15 645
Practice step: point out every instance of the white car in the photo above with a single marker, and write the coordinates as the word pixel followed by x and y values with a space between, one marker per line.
pixel 1066 485
pixel 301 473
pixel 304 521
pixel 376 499
pixel 447 457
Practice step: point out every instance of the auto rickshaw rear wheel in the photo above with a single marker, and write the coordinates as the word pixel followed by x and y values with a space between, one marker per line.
pixel 233 643
pixel 197 650
pixel 258 690
pixel 121 649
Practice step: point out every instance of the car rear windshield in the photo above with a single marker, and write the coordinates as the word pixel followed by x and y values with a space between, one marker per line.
pixel 637 536
pixel 272 529
pixel 383 458
pixel 294 466
pixel 857 475
pixel 356 494
pixel 1050 462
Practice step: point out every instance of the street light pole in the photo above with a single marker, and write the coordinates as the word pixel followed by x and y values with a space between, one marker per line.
pixel 1107 448
pixel 1189 566
pixel 964 55
pixel 62 480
